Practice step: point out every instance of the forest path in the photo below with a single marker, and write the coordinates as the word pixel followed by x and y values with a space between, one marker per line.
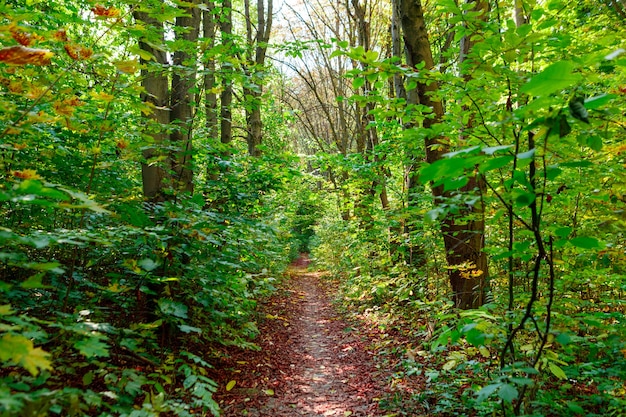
pixel 311 362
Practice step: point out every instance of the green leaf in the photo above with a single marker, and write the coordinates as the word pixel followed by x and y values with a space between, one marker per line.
pixel 455 183
pixel 173 308
pixel 34 281
pixel 231 385
pixel 92 347
pixel 358 83
pixel 596 102
pixel 595 143
pixel 441 169
pixel 563 232
pixel 147 264
pixel 493 149
pixel 371 56
pixel 35 187
pixel 526 155
pixel 586 242
pixel 475 337
pixel 495 163
pixel 188 329
pixel 5 310
pixel 524 198
pixel 487 391
pixel 575 408
pixel 564 339
pixel 88 378
pixel 508 393
pixel 554 78
pixel 464 151
pixel 556 370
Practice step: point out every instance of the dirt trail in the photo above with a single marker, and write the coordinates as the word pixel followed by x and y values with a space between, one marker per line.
pixel 311 363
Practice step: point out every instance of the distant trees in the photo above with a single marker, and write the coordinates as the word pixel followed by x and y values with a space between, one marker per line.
pixel 364 32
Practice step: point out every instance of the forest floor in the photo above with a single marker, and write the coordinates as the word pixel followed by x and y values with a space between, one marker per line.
pixel 312 361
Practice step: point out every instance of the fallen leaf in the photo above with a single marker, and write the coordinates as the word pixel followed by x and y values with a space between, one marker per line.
pixel 231 385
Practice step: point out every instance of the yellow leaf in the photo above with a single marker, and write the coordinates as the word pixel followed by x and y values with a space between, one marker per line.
pixel 20 350
pixel 128 67
pixel 230 385
pixel 36 360
pixel 5 309
pixel 449 365
pixel 102 96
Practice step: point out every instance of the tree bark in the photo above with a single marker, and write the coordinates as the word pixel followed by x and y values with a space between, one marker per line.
pixel 253 95
pixel 463 238
pixel 155 85
pixel 210 97
pixel 183 98
pixel 226 96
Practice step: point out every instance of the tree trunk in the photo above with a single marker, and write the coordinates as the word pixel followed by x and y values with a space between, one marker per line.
pixel 226 96
pixel 417 50
pixel 155 84
pixel 183 98
pixel 253 95
pixel 210 97
pixel 463 238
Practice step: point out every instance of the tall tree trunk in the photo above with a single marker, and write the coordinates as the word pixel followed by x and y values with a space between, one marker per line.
pixel 226 96
pixel 367 133
pixel 463 240
pixel 469 233
pixel 253 95
pixel 210 97
pixel 155 85
pixel 183 98
pixel 417 50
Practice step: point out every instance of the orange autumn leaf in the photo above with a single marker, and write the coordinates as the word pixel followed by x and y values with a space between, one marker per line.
pixel 102 11
pixel 78 52
pixel 35 92
pixel 22 37
pixel 21 55
pixel 16 87
pixel 60 35
pixel 122 144
pixel 27 174
pixel 66 106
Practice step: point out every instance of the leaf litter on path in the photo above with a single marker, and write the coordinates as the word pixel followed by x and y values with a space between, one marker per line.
pixel 310 363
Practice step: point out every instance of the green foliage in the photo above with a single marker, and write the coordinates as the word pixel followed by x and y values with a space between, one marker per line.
pixel 110 305
pixel 536 111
